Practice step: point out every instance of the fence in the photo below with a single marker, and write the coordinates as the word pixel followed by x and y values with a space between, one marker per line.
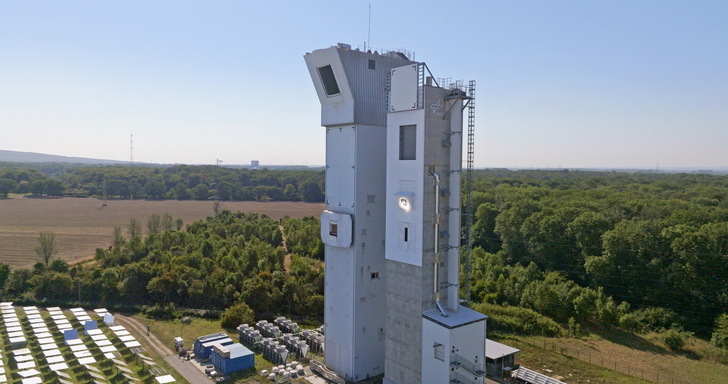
pixel 659 375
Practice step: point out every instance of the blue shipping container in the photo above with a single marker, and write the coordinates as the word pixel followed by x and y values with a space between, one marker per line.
pixel 205 339
pixel 206 349
pixel 231 358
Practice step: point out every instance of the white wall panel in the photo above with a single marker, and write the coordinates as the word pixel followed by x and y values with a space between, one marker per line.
pixel 403 92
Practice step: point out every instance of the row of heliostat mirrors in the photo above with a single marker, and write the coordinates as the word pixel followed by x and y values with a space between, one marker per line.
pixel 42 348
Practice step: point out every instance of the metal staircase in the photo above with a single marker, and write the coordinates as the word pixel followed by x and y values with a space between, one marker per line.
pixel 457 361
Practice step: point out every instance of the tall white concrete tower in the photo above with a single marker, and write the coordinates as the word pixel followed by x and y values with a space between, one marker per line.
pixel 391 228
pixel 351 86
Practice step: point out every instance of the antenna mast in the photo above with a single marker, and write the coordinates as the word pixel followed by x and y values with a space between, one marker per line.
pixel 369 29
pixel 131 149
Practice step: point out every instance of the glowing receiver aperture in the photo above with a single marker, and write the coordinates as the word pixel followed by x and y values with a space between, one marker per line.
pixel 405 200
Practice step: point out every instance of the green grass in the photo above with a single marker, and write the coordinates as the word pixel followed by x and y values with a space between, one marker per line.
pixel 615 356
pixel 167 330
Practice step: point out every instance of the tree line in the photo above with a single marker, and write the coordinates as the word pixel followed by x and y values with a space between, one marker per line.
pixel 640 250
pixel 227 259
pixel 181 182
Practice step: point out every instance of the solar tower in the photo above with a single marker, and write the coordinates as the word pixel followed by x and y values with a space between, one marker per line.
pixel 391 228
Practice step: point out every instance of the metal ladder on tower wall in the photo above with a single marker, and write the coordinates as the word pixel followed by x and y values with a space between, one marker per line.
pixel 468 241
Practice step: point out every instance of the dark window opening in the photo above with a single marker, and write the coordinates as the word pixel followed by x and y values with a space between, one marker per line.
pixel 329 80
pixel 375 275
pixel 372 64
pixel 333 229
pixel 407 142
pixel 406 234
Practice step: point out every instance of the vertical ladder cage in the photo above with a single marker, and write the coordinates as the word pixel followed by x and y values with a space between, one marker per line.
pixel 468 243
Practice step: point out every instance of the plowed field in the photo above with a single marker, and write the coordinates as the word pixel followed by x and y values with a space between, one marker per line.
pixel 82 225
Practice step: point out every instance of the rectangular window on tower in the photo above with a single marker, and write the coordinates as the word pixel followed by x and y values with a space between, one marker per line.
pixel 439 351
pixel 329 80
pixel 407 142
pixel 406 237
pixel 333 228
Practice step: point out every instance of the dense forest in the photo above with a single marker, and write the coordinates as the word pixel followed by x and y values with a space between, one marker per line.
pixel 636 250
pixel 181 182
pixel 553 251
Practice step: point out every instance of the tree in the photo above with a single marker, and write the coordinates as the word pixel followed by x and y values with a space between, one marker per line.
pixel 224 191
pixel 58 265
pixel 47 247
pixel 587 230
pixel 237 314
pixel 484 228
pixel 181 192
pixel 673 339
pixel 720 333
pixel 7 186
pixel 154 189
pixel 135 228
pixel 117 187
pixel 154 224
pixel 54 187
pixel 290 193
pixel 37 187
pixel 118 236
pixel 4 274
pixel 200 192
pixel 167 222
pixel 52 285
pixel 311 191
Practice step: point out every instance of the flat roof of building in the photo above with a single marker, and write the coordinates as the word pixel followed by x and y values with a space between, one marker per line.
pixel 236 350
pixel 454 319
pixel 495 350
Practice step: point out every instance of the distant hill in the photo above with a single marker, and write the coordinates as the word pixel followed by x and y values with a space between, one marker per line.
pixel 32 157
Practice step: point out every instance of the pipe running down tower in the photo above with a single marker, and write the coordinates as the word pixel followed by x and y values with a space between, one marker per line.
pixel 391 228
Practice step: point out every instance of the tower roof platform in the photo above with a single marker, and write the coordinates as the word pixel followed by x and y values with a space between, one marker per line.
pixel 463 316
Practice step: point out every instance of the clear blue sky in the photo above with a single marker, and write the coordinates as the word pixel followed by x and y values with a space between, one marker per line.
pixel 560 83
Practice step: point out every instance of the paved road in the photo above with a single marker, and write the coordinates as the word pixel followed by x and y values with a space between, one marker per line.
pixel 187 369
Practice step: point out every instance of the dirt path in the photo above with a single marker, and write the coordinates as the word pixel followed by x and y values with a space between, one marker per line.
pixel 187 369
pixel 287 256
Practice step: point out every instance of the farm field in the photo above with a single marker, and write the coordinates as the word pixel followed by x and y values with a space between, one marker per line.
pixel 82 225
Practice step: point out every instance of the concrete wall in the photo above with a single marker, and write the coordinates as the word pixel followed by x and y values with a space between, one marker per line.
pixel 355 277
pixel 354 300
pixel 411 276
